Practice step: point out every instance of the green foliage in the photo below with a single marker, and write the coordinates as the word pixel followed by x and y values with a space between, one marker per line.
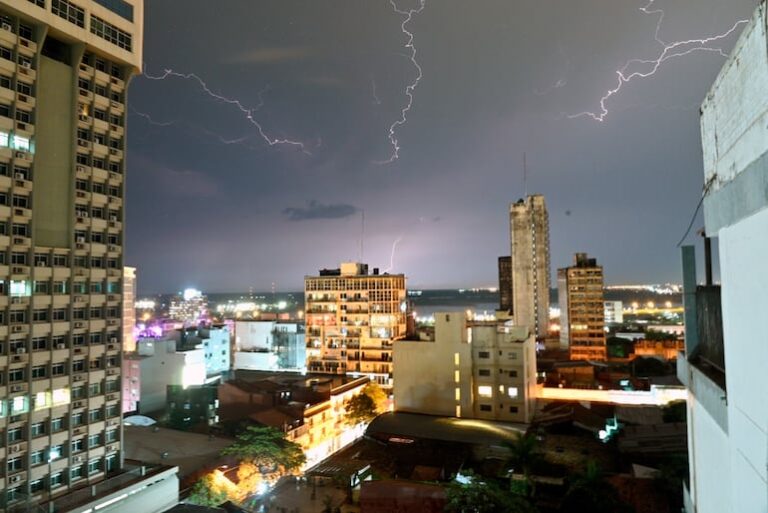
pixel 205 493
pixel 589 491
pixel 365 406
pixel 480 496
pixel 645 367
pixel 675 412
pixel 266 447
pixel 524 455
pixel 618 347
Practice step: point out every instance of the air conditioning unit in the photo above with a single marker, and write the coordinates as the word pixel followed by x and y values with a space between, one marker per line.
pixel 77 459
pixel 20 176
pixel 77 404
pixel 79 324
pixel 113 340
pixel 21 350
pixel 113 218
pixel 20 155
pixel 7 26
pixel 26 64
pixel 14 479
pixel 84 117
pixel 17 388
pixel 23 98
pixel 40 263
pixel 17 329
pixel 80 240
pixel 61 346
pixel 15 448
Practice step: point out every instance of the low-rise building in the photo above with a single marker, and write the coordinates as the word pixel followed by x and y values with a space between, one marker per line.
pixel 309 409
pixel 664 349
pixel 270 346
pixel 483 370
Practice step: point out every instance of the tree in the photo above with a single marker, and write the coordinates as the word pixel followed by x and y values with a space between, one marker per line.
pixel 482 496
pixel 267 448
pixel 365 406
pixel 524 454
pixel 205 492
pixel 589 491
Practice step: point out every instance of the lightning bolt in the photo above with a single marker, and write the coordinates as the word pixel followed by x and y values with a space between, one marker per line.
pixel 392 254
pixel 376 99
pixel 149 118
pixel 247 112
pixel 669 51
pixel 407 17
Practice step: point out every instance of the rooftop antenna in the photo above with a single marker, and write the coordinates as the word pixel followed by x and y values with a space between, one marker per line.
pixel 362 234
pixel 525 175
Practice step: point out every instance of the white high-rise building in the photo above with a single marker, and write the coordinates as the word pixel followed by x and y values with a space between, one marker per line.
pixel 726 349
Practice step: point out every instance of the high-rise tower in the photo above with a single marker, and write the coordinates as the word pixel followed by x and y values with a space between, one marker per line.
pixel 64 69
pixel 582 313
pixel 529 235
pixel 352 317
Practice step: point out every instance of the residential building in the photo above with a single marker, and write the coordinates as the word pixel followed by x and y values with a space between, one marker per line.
pixel 529 236
pixel 310 409
pixel 190 307
pixel 469 369
pixel 129 311
pixel 726 356
pixel 662 349
pixel 613 311
pixel 580 294
pixel 270 346
pixel 64 69
pixel 352 317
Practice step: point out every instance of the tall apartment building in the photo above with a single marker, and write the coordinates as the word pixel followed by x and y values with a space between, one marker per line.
pixel 726 351
pixel 129 309
pixel 64 68
pixel 582 309
pixel 529 236
pixel 468 369
pixel 352 317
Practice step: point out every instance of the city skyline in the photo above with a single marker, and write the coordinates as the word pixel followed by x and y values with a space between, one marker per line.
pixel 216 207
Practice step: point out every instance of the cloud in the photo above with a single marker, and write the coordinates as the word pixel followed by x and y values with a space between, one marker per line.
pixel 272 55
pixel 316 210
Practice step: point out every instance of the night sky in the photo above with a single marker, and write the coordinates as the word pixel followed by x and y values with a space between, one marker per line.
pixel 211 205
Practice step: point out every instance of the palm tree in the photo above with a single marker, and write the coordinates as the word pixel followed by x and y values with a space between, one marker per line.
pixel 589 491
pixel 524 455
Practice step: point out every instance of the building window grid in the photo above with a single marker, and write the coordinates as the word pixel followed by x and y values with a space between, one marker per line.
pixel 110 33
pixel 69 11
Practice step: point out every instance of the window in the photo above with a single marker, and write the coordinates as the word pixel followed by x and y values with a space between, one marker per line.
pixel 119 7
pixel 77 419
pixel 484 372
pixel 58 369
pixel 57 479
pixel 76 446
pixel 94 389
pixel 94 466
pixel 38 429
pixel 57 425
pixel 41 287
pixel 513 374
pixel 94 440
pixel 39 372
pixel 76 473
pixel 36 458
pixel 95 415
pixel 113 410
pixel 513 409
pixel 69 12
pixel 485 391
pixel 60 314
pixel 78 392
pixel 15 464
pixel 40 315
pixel 16 375
pixel 15 435
pixel 512 392
pixel 23 116
pixel 484 354
pixel 60 261
pixel 110 33
pixel 78 366
pixel 5 53
pixel 36 486
pixel 23 88
pixel 485 407
pixel 5 82
pixel 59 287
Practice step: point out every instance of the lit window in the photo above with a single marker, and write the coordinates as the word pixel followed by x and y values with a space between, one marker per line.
pixel 485 391
pixel 512 392
pixel 3 139
pixel 20 288
pixel 20 143
pixel 60 396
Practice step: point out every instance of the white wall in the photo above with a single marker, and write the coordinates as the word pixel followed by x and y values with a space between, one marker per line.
pixel 744 274
pixel 710 488
pixel 254 334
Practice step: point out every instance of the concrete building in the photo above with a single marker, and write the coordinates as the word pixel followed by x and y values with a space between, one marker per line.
pixel 480 370
pixel 270 346
pixel 352 317
pixel 505 283
pixel 309 409
pixel 64 69
pixel 190 307
pixel 613 311
pixel 129 311
pixel 529 236
pixel 726 359
pixel 582 324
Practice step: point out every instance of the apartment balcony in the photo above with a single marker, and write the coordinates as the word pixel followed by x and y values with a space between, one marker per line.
pixel 6 65
pixel 22 214
pixel 26 100
pixel 7 95
pixel 27 47
pixel 22 184
pixel 709 354
pixel 7 36
pixel 85 70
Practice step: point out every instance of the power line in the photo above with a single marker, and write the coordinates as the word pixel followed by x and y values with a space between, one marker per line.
pixel 707 187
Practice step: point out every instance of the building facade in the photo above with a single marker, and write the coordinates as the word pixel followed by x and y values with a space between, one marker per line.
pixel 270 346
pixel 529 236
pixel 352 317
pixel 613 312
pixel 129 311
pixel 480 370
pixel 64 70
pixel 505 283
pixel 582 309
pixel 726 359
